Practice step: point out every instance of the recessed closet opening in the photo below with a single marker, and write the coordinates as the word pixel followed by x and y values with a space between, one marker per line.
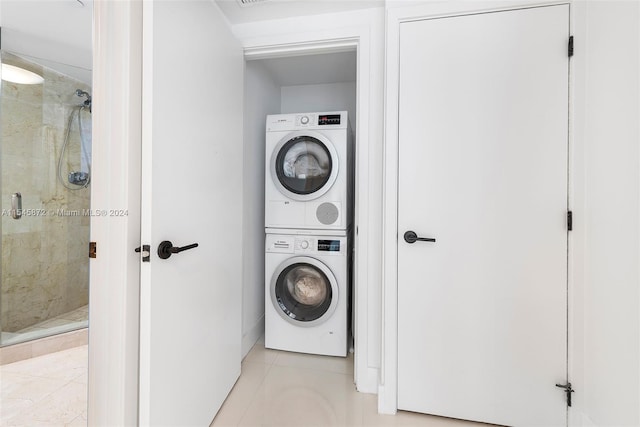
pixel 317 81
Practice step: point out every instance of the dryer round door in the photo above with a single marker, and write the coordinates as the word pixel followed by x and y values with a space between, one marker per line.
pixel 304 165
pixel 304 291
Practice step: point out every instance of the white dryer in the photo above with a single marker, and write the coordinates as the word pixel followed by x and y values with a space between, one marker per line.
pixel 307 293
pixel 309 171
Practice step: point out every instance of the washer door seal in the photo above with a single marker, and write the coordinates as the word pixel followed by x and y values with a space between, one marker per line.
pixel 304 291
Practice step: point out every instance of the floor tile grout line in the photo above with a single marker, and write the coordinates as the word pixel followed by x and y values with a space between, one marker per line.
pixel 255 393
pixel 273 362
pixel 313 368
pixel 34 377
pixel 36 402
pixel 42 377
pixel 55 391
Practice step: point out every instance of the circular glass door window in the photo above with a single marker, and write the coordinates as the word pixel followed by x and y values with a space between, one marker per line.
pixel 303 165
pixel 303 292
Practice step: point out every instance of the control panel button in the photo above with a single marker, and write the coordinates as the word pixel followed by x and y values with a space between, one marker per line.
pixel 304 120
pixel 304 244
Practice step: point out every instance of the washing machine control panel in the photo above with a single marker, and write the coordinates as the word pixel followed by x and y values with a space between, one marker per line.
pixel 292 244
pixel 298 121
pixel 318 244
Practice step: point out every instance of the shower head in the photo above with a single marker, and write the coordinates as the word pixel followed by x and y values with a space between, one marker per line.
pixel 87 102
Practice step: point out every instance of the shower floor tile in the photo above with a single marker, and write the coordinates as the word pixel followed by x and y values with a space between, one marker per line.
pixel 77 315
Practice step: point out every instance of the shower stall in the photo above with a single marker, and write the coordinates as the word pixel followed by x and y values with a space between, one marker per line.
pixel 45 159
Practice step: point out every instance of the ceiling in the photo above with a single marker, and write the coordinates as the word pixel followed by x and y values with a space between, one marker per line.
pixel 58 33
pixel 312 69
pixel 275 9
pixel 53 33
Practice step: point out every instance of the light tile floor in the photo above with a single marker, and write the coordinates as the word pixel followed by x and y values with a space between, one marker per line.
pixel 49 390
pixel 279 388
pixel 276 388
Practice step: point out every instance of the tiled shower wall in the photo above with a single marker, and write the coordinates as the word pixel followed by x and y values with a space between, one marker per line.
pixel 45 253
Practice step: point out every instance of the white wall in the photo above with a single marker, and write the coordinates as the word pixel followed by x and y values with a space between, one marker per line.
pixel 321 97
pixel 606 291
pixel 262 97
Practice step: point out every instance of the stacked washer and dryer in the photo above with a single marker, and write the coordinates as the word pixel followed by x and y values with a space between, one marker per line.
pixel 308 218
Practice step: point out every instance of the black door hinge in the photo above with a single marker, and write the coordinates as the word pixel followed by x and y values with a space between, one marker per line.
pixel 569 220
pixel 570 47
pixel 567 389
pixel 146 252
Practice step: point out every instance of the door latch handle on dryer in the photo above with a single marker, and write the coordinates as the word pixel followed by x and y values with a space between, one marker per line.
pixel 166 249
pixel 412 237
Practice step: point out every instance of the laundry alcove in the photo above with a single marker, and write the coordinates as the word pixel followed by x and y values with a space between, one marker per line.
pixel 310 81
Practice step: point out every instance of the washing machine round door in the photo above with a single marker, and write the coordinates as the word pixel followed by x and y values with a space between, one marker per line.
pixel 304 165
pixel 304 291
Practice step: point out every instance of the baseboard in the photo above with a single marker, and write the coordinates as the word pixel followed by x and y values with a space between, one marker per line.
pixel 367 380
pixel 387 401
pixel 252 336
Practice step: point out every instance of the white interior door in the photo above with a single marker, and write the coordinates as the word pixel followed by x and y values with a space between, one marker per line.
pixel 192 181
pixel 482 323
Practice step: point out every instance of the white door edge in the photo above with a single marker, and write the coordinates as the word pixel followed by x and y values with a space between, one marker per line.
pixel 147 184
pixel 388 381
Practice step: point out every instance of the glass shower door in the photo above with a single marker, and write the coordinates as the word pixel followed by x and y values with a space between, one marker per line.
pixel 45 159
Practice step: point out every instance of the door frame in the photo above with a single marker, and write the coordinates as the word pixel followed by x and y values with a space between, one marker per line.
pixel 388 387
pixel 261 41
pixel 114 281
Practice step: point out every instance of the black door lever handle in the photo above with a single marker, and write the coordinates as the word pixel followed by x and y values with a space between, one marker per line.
pixel 166 249
pixel 412 237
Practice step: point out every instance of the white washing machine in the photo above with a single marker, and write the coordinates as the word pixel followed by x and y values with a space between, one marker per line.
pixel 307 293
pixel 309 171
